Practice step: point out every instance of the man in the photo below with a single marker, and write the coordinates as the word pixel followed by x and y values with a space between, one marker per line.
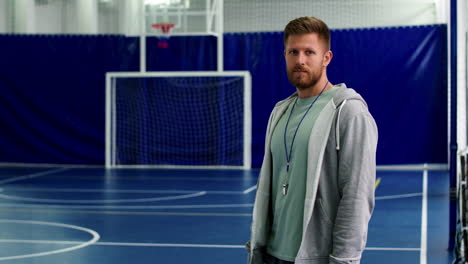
pixel 315 193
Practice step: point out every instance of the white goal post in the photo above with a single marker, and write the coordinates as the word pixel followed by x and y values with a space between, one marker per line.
pixel 152 118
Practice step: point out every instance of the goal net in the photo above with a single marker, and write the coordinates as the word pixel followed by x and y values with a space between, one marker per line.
pixel 178 119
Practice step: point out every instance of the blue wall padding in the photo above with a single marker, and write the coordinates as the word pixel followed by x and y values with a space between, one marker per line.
pixel 52 87
pixel 400 71
pixel 53 95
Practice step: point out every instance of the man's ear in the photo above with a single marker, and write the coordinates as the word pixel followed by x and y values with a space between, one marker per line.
pixel 327 58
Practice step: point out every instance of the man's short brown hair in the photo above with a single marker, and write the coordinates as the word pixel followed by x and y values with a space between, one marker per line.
pixel 305 25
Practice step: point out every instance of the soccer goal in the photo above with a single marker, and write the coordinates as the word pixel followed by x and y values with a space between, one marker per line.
pixel 178 119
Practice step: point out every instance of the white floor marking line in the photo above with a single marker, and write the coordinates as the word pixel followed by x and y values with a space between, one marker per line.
pixel 30 176
pixel 123 244
pixel 119 244
pixel 49 165
pixel 71 190
pixel 167 245
pixel 398 196
pixel 225 192
pixel 149 207
pixel 122 207
pixel 423 255
pixel 250 189
pixel 49 242
pixel 391 249
pixel 140 200
pixel 94 239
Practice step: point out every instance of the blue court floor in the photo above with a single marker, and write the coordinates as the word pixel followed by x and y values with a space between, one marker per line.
pixel 93 215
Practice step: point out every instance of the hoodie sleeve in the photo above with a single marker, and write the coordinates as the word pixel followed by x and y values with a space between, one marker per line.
pixel 356 182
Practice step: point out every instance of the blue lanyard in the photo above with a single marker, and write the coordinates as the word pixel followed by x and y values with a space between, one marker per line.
pixel 288 155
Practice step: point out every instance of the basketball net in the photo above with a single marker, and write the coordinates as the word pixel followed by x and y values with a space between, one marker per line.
pixel 166 30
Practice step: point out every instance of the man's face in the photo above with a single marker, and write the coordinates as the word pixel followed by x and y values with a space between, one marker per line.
pixel 306 59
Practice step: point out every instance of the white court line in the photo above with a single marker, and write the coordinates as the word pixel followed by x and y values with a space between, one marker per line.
pixel 423 255
pixel 250 189
pixel 123 244
pixel 398 196
pixel 139 200
pixel 30 176
pixel 140 207
pixel 391 249
pixel 94 239
pixel 167 245
pixel 50 242
pixel 127 207
pixel 71 190
pixel 120 244
pixel 225 192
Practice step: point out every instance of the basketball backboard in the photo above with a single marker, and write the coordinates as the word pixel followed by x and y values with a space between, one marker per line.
pixel 144 18
pixel 190 17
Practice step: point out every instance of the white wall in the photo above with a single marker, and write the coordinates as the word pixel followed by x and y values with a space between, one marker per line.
pixel 4 26
pixel 24 14
pixel 64 16
pixel 49 18
pixel 109 14
pixel 245 15
pixel 87 16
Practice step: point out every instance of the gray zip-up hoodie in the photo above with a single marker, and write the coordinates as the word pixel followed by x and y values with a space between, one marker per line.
pixel 340 183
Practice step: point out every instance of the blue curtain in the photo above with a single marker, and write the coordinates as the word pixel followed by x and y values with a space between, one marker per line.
pixel 52 87
pixel 53 95
pixel 400 71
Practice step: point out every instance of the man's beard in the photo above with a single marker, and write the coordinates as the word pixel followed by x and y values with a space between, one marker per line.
pixel 307 80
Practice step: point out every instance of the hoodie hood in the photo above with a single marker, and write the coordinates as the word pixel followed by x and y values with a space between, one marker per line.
pixel 344 93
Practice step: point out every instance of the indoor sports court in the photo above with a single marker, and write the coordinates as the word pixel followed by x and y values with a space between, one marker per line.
pixel 94 215
pixel 134 131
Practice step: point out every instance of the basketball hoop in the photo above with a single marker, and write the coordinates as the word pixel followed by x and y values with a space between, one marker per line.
pixel 166 32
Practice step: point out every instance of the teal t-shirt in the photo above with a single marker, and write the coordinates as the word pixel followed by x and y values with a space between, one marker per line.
pixel 288 210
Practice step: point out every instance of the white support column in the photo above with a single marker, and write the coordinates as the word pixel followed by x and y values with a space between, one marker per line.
pixel 441 9
pixel 24 16
pixel 209 15
pixel 461 74
pixel 220 33
pixel 142 35
pixel 3 17
pixel 87 16
pixel 130 19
